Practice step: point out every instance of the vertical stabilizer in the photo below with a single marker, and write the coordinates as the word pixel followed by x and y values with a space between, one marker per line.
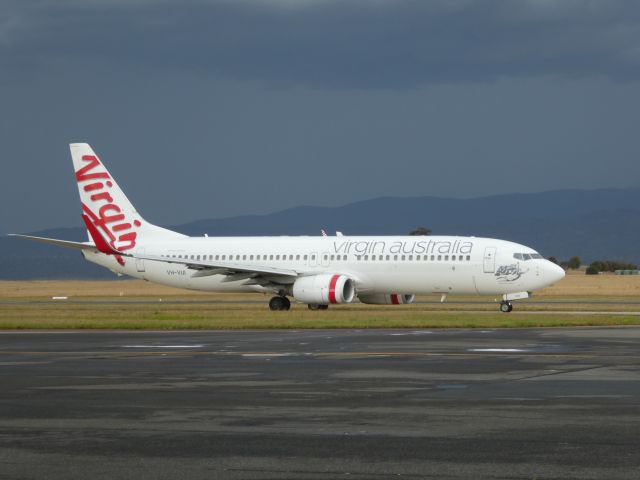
pixel 106 205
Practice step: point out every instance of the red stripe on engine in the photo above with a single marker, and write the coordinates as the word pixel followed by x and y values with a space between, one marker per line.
pixel 394 299
pixel 332 289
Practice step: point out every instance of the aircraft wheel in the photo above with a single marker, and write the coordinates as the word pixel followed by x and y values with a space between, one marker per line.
pixel 505 307
pixel 323 307
pixel 279 303
pixel 287 303
pixel 313 306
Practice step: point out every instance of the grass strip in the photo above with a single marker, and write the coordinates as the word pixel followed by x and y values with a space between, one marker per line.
pixel 250 316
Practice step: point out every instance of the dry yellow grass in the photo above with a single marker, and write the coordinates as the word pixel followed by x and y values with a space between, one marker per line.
pixel 604 285
pixel 125 288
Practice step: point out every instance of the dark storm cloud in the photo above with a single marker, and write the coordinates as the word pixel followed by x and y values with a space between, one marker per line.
pixel 355 44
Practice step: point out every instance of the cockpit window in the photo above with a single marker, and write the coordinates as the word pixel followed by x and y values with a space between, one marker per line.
pixel 527 256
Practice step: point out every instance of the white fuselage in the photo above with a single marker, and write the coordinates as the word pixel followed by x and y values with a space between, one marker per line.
pixel 377 264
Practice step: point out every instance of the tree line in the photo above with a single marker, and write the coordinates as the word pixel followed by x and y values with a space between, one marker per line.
pixel 595 267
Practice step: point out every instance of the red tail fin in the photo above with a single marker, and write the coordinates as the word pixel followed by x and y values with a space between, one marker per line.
pixel 101 244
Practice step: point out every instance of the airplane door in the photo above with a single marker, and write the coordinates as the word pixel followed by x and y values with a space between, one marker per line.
pixel 140 261
pixel 489 260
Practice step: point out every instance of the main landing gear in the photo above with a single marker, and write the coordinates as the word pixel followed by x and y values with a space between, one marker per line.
pixel 279 303
pixel 506 307
pixel 283 303
pixel 315 306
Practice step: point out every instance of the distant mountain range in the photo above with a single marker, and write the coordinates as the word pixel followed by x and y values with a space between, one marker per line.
pixel 592 224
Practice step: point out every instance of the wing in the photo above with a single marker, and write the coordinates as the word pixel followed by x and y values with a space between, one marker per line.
pixel 204 268
pixel 267 277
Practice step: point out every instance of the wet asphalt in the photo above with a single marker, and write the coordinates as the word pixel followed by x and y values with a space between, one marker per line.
pixel 316 404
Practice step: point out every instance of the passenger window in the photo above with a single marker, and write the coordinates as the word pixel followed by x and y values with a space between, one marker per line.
pixel 325 257
pixel 395 257
pixel 453 257
pixel 439 257
pixel 297 257
pixel 313 257
pixel 468 257
pixel 388 257
pixel 305 257
pixel 410 257
pixel 332 258
pixel 277 257
pixel 344 257
pixel 446 258
pixel 402 258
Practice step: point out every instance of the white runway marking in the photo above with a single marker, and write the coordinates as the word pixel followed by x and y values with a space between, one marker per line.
pixel 267 354
pixel 162 346
pixel 421 332
pixel 507 350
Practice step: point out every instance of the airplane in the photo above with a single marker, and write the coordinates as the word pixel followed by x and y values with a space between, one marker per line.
pixel 314 270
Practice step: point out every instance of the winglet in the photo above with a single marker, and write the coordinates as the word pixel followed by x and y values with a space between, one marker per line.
pixel 98 239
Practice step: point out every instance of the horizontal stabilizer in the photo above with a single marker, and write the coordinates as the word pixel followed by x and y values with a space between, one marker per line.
pixel 58 243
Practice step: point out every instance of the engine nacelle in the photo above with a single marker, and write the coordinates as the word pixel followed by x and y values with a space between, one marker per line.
pixel 387 298
pixel 324 289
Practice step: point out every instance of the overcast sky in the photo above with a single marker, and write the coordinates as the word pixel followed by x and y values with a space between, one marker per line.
pixel 213 108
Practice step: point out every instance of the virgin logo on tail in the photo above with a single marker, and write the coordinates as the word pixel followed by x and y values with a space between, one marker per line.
pixel 101 208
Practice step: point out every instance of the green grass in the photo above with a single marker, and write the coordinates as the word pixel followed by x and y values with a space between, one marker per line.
pixel 165 316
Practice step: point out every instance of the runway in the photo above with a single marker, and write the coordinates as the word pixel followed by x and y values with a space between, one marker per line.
pixel 316 404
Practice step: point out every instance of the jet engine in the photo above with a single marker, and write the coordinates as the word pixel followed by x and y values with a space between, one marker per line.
pixel 324 289
pixel 387 298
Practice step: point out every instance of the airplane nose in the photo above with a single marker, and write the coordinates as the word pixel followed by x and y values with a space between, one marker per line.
pixel 553 273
